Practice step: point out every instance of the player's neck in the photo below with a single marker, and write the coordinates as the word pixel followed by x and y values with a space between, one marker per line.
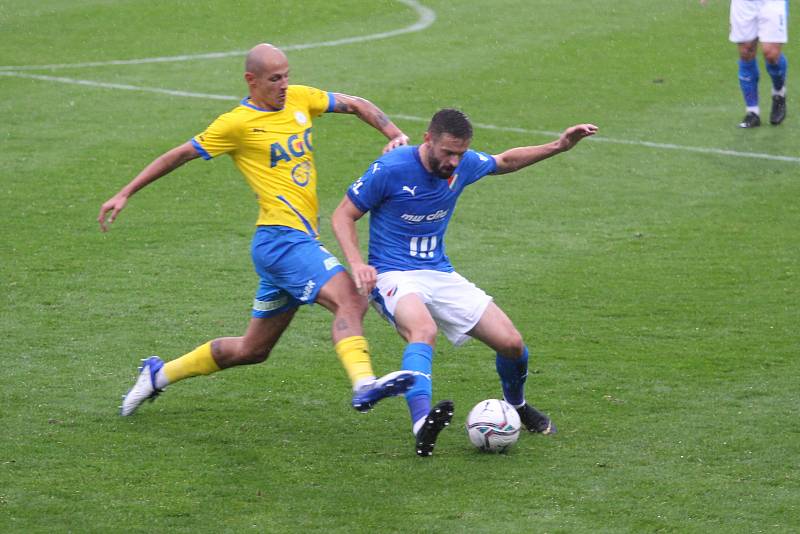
pixel 263 104
pixel 423 157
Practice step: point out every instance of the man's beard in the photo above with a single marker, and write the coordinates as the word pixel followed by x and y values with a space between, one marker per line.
pixel 436 167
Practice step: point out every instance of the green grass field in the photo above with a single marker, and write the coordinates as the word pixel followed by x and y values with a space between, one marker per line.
pixel 653 271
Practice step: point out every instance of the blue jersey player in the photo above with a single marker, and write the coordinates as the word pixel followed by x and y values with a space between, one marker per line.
pixel 411 193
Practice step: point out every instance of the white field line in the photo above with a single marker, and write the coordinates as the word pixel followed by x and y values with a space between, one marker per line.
pixel 649 144
pixel 512 129
pixel 426 17
pixel 119 86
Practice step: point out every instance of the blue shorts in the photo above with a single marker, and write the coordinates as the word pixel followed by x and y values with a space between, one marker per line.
pixel 293 267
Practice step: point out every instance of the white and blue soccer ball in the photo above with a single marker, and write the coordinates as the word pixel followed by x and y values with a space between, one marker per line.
pixel 493 425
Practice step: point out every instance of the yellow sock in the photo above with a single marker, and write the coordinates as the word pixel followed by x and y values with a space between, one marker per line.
pixel 198 362
pixel 353 352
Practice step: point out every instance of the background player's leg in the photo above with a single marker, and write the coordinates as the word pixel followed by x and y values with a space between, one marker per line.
pixel 748 83
pixel 776 67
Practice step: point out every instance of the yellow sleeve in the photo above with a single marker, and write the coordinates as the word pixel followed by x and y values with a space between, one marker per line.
pixel 318 101
pixel 221 137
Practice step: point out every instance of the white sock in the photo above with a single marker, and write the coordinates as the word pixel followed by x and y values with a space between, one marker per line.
pixel 754 109
pixel 418 425
pixel 781 92
pixel 161 379
pixel 364 382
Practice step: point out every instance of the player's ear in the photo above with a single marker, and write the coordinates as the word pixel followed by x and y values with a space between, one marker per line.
pixel 249 77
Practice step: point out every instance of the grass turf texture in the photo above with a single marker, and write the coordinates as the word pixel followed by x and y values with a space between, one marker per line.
pixel 656 288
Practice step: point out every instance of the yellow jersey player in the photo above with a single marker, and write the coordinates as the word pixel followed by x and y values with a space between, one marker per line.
pixel 269 137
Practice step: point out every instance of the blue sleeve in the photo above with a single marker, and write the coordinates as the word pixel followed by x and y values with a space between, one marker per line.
pixel 479 164
pixel 369 190
pixel 331 102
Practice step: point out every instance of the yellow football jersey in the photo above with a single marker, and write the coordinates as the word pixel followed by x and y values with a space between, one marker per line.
pixel 274 150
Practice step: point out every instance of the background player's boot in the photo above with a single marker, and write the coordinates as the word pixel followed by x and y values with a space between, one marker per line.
pixel 388 385
pixel 145 386
pixel 751 120
pixel 438 418
pixel 778 111
pixel 536 421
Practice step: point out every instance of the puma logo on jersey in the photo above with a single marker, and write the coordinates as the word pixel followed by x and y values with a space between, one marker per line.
pixel 410 189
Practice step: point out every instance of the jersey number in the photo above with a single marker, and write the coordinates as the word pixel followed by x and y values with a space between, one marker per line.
pixel 422 247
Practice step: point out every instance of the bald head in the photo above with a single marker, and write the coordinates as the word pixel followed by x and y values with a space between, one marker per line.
pixel 266 71
pixel 264 57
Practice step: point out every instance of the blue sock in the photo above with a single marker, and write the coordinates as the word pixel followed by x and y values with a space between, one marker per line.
pixel 778 73
pixel 513 374
pixel 417 357
pixel 748 81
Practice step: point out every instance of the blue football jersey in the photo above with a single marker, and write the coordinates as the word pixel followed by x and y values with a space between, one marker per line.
pixel 410 208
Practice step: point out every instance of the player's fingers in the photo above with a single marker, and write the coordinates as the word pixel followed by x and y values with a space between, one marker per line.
pixel 358 283
pixel 101 218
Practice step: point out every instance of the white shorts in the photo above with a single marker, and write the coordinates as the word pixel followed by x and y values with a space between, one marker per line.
pixel 455 303
pixel 764 20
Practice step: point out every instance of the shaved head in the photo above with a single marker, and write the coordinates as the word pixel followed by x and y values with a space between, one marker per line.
pixel 264 57
pixel 266 71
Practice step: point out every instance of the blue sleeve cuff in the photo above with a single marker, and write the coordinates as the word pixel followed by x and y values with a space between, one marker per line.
pixel 200 150
pixel 356 201
pixel 331 102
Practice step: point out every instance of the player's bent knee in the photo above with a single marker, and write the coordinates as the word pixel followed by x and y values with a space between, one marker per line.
pixel 772 55
pixel 249 356
pixel 421 334
pixel 512 347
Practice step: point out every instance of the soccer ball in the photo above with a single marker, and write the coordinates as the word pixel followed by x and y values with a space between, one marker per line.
pixel 493 425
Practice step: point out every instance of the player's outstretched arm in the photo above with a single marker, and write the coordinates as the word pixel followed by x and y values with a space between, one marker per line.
pixel 516 158
pixel 164 164
pixel 343 222
pixel 372 115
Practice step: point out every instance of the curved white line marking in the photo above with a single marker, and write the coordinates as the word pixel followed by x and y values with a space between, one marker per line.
pixel 187 94
pixel 426 17
pixel 120 86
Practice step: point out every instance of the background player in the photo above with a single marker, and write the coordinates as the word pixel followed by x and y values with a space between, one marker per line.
pixel 753 21
pixel 411 193
pixel 269 137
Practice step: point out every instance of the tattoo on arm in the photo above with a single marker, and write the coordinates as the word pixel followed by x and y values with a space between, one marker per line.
pixel 341 325
pixel 342 107
pixel 382 119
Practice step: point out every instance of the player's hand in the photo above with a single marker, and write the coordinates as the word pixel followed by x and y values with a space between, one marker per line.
pixel 109 211
pixel 365 276
pixel 703 2
pixel 570 137
pixel 400 140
